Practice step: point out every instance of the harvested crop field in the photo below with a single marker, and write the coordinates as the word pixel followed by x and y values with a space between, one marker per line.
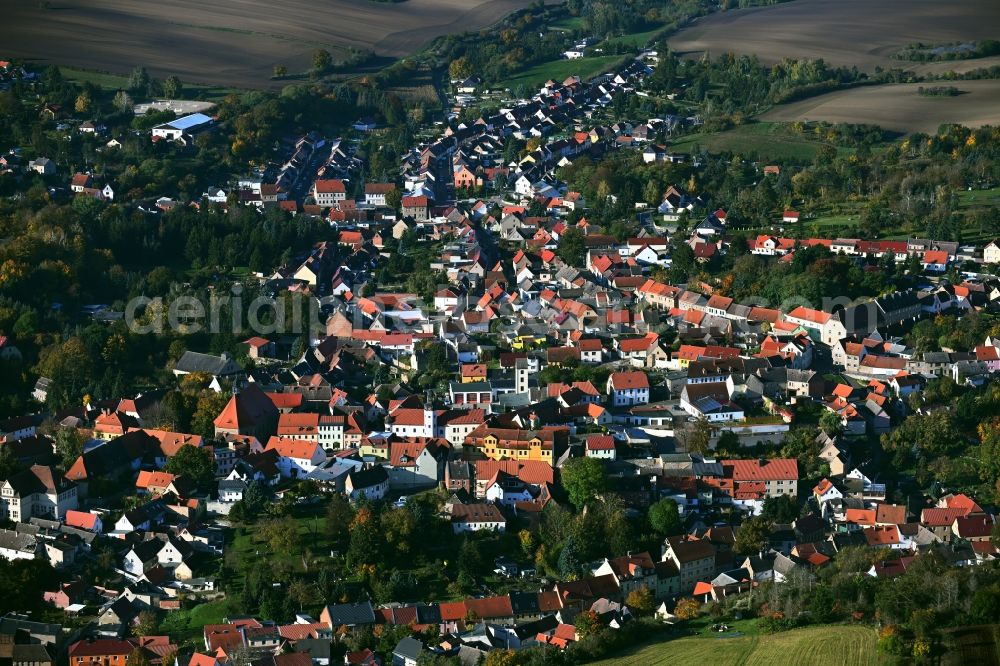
pixel 846 32
pixel 899 108
pixel 229 42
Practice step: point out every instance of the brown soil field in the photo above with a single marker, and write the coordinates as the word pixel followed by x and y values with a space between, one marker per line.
pixel 229 42
pixel 845 32
pixel 899 108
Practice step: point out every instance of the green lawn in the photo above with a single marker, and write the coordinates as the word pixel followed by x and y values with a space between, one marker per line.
pixel 569 23
pixel 766 141
pixel 560 70
pixel 187 625
pixel 972 199
pixel 637 40
pixel 114 82
pixel 822 646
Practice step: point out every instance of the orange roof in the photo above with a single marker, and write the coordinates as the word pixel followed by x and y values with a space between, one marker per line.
pixel 814 316
pixel 822 487
pixel 330 186
pixel 286 400
pixel 154 480
pixel 81 519
pixel 860 516
pixel 935 257
pixel 634 379
pixel 171 442
pixel 882 535
pixel 293 425
pixel 753 470
pixel 962 501
pixel 292 448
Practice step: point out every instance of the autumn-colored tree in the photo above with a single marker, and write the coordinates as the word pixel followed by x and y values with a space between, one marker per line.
pixel 460 68
pixel 529 544
pixel 640 600
pixel 83 102
pixel 210 405
pixel 687 608
pixel 587 623
pixel 501 658
pixel 138 657
pixel 145 624
pixel 280 534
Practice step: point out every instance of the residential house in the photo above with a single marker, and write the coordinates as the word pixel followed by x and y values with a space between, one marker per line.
pixel 477 517
pixel 628 388
pixel 36 492
pixel 694 559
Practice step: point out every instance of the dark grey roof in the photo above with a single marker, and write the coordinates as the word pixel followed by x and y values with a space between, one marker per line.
pixel 532 629
pixel 31 652
pixel 367 478
pixel 409 647
pixel 351 614
pixel 317 648
pixel 219 366
pixel 10 623
pixel 11 540
pixel 524 602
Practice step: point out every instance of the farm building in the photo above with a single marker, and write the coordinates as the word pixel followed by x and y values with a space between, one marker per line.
pixel 175 129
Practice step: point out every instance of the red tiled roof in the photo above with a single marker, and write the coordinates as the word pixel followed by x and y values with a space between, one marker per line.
pixel 292 448
pixel 805 314
pixel 330 186
pixel 629 380
pixel 600 443
pixel 767 470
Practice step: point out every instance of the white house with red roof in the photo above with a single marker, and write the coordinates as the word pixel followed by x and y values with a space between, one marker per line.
pixel 600 446
pixel 628 388
pixel 828 328
pixel 296 457
pixel 780 476
pixel 415 462
pixel 84 520
pixel 329 191
pixel 825 491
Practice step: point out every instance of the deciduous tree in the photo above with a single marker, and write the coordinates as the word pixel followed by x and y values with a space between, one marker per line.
pixel 687 608
pixel 193 463
pixel 640 600
pixel 583 479
pixel 665 517
pixel 751 536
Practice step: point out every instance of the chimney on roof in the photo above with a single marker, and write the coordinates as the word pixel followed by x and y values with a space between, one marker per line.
pixel 762 461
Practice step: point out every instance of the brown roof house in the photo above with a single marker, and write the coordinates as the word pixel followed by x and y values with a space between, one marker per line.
pixel 249 412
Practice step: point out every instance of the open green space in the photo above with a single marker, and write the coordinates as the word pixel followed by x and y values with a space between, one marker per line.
pixel 114 82
pixel 836 644
pixel 569 23
pixel 637 39
pixel 773 142
pixel 187 625
pixel 560 70
pixel 973 199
